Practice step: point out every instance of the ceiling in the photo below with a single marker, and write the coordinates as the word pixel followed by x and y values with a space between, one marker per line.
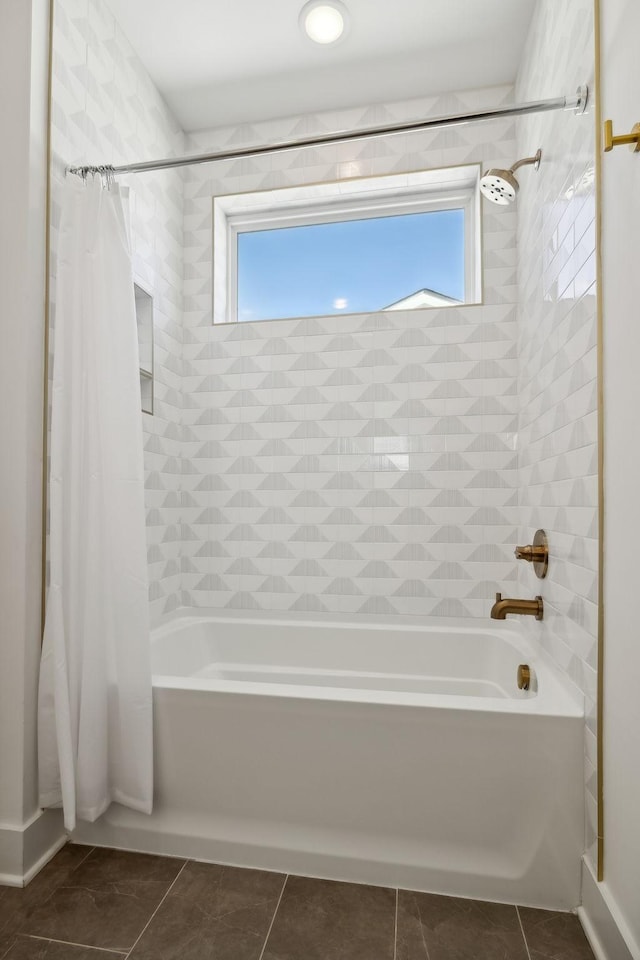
pixel 220 62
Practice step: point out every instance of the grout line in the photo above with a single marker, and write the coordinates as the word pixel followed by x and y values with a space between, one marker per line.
pixel 54 889
pixel 66 882
pixel 526 945
pixel 273 918
pixel 424 939
pixel 172 885
pixel 395 928
pixel 91 849
pixel 10 945
pixel 72 943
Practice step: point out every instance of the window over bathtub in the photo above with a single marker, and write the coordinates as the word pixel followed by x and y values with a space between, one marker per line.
pixel 395 242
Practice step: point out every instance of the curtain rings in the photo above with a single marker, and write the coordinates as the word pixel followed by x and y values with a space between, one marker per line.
pixel 106 172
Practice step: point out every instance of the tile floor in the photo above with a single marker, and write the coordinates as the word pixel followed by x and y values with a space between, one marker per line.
pixel 94 904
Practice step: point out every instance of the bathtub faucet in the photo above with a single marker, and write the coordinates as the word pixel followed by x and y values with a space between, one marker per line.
pixel 531 608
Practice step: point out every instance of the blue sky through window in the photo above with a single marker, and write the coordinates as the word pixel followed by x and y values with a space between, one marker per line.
pixel 353 266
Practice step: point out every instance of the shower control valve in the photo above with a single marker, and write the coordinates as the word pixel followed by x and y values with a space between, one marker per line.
pixel 536 553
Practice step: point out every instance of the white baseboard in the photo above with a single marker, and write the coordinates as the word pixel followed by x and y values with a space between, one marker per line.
pixel 602 923
pixel 26 848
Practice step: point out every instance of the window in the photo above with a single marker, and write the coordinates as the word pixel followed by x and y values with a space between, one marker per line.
pixel 386 243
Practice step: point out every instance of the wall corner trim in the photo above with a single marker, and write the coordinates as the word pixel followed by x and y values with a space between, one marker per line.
pixel 601 920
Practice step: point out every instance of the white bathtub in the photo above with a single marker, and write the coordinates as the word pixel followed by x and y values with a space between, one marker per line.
pixel 397 755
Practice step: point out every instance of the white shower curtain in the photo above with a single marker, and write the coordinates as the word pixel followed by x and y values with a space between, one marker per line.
pixel 94 716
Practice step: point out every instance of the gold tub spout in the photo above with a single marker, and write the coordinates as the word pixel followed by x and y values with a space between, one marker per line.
pixel 529 608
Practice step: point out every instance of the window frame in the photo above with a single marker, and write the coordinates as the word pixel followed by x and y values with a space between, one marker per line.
pixel 360 199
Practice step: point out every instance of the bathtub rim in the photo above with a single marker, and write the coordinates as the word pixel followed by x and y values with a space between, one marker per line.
pixel 557 696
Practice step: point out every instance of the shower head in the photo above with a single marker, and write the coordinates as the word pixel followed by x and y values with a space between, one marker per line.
pixel 501 186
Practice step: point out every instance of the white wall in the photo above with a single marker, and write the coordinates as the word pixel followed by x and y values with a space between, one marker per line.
pixel 621 289
pixel 23 86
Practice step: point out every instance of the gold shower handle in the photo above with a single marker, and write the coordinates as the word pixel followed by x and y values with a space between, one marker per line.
pixel 536 553
pixel 531 553
pixel 610 141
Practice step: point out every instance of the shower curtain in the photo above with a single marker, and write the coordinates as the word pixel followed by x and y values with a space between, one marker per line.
pixel 94 710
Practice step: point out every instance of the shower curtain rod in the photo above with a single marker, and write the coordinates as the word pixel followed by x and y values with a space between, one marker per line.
pixel 578 104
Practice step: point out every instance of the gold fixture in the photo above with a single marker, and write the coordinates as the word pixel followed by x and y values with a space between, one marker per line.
pixel 530 608
pixel 632 138
pixel 524 676
pixel 536 553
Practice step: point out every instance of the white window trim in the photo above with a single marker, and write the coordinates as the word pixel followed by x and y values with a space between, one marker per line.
pixel 394 195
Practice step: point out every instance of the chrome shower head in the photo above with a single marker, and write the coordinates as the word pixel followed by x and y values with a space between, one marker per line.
pixel 501 186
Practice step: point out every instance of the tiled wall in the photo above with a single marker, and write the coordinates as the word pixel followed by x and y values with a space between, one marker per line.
pixel 557 352
pixel 107 110
pixel 357 464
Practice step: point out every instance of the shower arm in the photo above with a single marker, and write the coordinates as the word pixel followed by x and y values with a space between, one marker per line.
pixel 577 104
pixel 535 160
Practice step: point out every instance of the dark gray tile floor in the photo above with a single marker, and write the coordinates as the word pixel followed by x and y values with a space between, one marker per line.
pixel 93 904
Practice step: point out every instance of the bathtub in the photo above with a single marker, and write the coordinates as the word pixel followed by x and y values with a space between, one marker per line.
pixel 401 755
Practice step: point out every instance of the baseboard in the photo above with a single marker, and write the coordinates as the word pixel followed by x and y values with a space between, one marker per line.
pixel 600 918
pixel 26 848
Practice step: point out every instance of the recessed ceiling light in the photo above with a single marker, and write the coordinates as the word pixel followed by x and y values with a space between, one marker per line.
pixel 324 21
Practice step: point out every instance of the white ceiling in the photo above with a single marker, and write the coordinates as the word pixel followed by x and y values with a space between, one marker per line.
pixel 220 62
